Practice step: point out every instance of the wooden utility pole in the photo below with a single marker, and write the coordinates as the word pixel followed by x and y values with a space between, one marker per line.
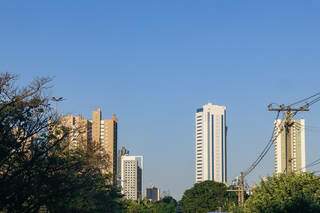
pixel 288 123
pixel 240 190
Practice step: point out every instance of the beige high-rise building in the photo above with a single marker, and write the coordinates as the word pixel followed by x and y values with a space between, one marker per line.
pixel 80 131
pixel 96 126
pixel 97 132
pixel 290 154
pixel 104 134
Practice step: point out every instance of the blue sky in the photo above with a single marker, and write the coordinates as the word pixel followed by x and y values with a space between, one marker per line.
pixel 154 62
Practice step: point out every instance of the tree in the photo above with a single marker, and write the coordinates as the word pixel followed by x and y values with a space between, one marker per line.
pixel 84 187
pixel 207 196
pixel 25 119
pixel 166 205
pixel 286 193
pixel 36 168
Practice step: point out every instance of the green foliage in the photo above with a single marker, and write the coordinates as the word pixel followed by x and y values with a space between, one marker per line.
pixel 207 196
pixel 286 193
pixel 165 205
pixel 36 166
pixel 84 187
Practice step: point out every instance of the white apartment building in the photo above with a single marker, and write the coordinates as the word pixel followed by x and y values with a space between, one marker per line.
pixel 131 176
pixel 210 143
pixel 291 156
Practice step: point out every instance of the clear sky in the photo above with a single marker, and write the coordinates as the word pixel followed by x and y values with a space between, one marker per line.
pixel 154 62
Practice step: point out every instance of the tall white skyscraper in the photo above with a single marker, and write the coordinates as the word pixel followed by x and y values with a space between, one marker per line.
pixel 210 142
pixel 131 176
pixel 122 152
pixel 290 156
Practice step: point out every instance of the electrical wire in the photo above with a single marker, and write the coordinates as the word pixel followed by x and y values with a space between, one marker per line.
pixel 305 99
pixel 313 163
pixel 266 148
pixel 275 135
pixel 313 102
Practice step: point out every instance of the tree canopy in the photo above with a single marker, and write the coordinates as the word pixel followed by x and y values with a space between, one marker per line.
pixel 207 196
pixel 286 193
pixel 36 168
pixel 166 205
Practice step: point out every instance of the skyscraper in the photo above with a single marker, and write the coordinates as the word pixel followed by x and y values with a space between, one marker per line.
pixel 123 151
pixel 131 176
pixel 290 154
pixel 79 131
pixel 210 143
pixel 95 133
pixel 104 134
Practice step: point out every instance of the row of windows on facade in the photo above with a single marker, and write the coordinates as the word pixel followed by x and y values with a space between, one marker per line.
pixel 129 183
pixel 127 170
pixel 129 175
pixel 130 191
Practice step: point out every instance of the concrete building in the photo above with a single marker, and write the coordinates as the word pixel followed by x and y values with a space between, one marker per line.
pixel 97 132
pixel 153 194
pixel 80 131
pixel 291 156
pixel 123 151
pixel 211 143
pixel 131 177
pixel 105 134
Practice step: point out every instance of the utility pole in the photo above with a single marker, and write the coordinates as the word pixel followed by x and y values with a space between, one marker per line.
pixel 288 123
pixel 240 190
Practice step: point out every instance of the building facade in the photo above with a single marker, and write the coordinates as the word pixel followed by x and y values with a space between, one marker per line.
pixel 153 194
pixel 105 134
pixel 123 151
pixel 290 154
pixel 131 177
pixel 211 143
pixel 79 131
pixel 98 132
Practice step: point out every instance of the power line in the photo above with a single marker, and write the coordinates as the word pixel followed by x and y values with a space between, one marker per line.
pixel 265 150
pixel 289 112
pixel 274 136
pixel 305 99
pixel 313 163
pixel 314 101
